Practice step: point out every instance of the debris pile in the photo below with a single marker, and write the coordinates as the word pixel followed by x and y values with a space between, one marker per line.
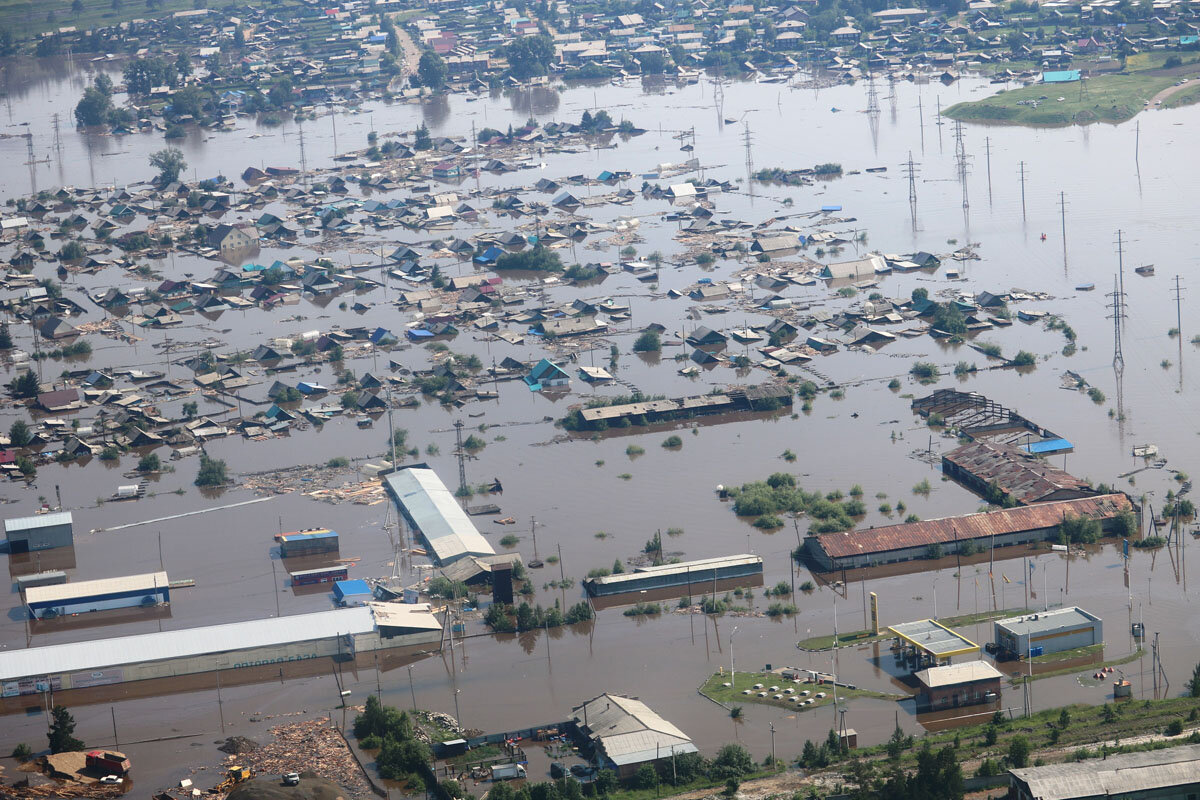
pixel 310 746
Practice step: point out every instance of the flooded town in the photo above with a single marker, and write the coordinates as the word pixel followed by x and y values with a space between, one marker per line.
pixel 438 398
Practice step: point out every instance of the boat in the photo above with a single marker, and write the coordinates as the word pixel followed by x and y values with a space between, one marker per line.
pixel 1085 287
pixel 1145 269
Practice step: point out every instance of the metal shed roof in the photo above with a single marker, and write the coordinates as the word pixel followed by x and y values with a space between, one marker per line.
pixel 429 504
pixel 628 731
pixel 1045 621
pixel 1117 775
pixel 681 568
pixel 35 522
pixel 951 674
pixel 40 595
pixel 934 638
pixel 102 653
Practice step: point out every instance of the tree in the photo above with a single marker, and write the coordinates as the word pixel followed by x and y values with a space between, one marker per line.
pixel 169 162
pixel 24 385
pixel 1018 751
pixel 149 463
pixel 18 433
pixel 62 728
pixel 190 408
pixel 143 74
pixel 1193 685
pixel 732 761
pixel 529 55
pixel 742 38
pixel 77 7
pixel 6 340
pixel 645 777
pixel 648 342
pixel 183 64
pixel 212 472
pixel 422 139
pixel 605 783
pixel 432 70
pixel 93 108
pixel 280 94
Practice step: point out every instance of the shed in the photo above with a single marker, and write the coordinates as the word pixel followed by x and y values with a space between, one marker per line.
pixel 351 593
pixel 27 534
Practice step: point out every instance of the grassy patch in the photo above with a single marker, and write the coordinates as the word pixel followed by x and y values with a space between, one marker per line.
pixel 1108 98
pixel 1184 97
pixel 1067 655
pixel 1116 662
pixel 860 637
pixel 715 689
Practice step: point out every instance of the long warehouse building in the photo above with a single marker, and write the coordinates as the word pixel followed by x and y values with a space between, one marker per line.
pixel 430 508
pixel 166 654
pixel 64 599
pixel 1003 527
pixel 685 573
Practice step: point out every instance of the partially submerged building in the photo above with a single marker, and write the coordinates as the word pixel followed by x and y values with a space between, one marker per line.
pixel 1048 632
pixel 165 654
pixel 953 685
pixel 1000 528
pixel 702 572
pixel 986 467
pixel 130 591
pixel 40 532
pixel 623 733
pixel 431 510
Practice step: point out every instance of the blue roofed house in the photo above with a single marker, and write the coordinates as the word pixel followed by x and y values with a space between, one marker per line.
pixel 546 375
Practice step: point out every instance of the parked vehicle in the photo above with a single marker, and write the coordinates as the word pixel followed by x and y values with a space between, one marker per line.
pixel 507 772
pixel 291 779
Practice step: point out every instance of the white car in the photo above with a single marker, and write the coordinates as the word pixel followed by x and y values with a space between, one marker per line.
pixel 110 780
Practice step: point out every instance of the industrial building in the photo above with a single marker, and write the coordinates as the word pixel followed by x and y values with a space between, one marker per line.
pixel 953 685
pixel 1048 632
pixel 683 574
pixel 985 467
pixel 352 593
pixel 340 632
pixel 308 543
pixel 430 508
pixel 1000 528
pixel 41 532
pixel 310 577
pixel 622 734
pixel 974 416
pixel 58 600
pixel 1171 774
pixel 927 642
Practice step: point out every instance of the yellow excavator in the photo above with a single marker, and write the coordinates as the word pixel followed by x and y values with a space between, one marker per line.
pixel 235 776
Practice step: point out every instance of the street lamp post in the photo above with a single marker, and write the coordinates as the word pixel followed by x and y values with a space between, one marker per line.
pixel 456 714
pixel 732 675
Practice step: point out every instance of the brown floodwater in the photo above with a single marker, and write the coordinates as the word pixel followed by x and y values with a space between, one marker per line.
pixel 579 486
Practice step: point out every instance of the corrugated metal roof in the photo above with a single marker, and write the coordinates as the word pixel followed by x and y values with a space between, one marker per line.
pixel 40 595
pixel 1045 621
pixel 966 672
pixel 39 521
pixel 102 653
pixel 445 526
pixel 681 568
pixel 970 526
pixel 1116 775
pixel 628 731
pixel 1023 476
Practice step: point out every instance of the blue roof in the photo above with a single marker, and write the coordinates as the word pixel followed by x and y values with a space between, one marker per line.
pixel 349 588
pixel 1061 76
pixel 1048 446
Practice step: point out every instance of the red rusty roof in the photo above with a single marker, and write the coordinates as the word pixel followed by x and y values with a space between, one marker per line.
pixel 971 526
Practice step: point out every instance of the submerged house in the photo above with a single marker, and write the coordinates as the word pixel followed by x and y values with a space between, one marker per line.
pixel 546 375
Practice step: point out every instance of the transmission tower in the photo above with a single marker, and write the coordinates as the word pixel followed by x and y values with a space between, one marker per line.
pixel 961 157
pixel 911 166
pixel 748 140
pixel 462 458
pixel 872 95
pixel 32 162
pixel 57 135
pixel 1118 303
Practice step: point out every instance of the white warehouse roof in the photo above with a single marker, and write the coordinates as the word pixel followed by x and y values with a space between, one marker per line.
pixel 73 591
pixel 427 502
pixel 38 521
pixel 101 653
pixel 628 731
pixel 952 674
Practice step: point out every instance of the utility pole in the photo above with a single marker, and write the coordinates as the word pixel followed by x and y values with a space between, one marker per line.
pixel 748 141
pixel 303 160
pixel 1178 292
pixel 1022 191
pixel 987 147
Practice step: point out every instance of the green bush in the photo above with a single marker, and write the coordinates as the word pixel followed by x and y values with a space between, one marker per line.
pixel 672 442
pixel 925 372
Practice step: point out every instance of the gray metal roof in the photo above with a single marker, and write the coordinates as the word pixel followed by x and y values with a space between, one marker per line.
pixel 933 638
pixel 102 653
pixel 951 674
pixel 148 582
pixel 628 731
pixel 445 526
pixel 681 568
pixel 1046 621
pixel 38 521
pixel 1116 775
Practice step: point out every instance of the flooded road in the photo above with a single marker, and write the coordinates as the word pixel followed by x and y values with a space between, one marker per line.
pixel 576 488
